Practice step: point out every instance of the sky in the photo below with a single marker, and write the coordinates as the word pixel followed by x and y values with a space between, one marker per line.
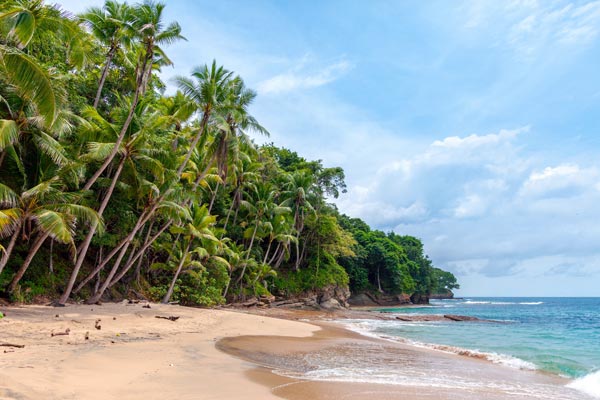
pixel 473 125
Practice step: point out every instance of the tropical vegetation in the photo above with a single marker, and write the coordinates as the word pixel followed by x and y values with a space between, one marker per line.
pixel 109 187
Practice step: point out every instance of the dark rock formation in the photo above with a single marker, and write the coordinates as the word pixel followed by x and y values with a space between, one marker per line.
pixel 368 299
pixel 328 298
pixel 418 298
pixel 442 296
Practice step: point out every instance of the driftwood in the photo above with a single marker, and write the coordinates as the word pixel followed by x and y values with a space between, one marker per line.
pixel 146 306
pixel 19 346
pixel 170 318
pixel 66 332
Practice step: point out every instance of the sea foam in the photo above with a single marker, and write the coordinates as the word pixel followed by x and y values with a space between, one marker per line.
pixel 368 328
pixel 589 384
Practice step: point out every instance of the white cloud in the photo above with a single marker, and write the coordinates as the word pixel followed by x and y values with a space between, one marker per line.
pixel 300 78
pixel 530 27
pixel 565 180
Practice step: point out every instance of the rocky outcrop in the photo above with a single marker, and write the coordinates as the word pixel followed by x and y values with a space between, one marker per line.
pixel 368 299
pixel 417 298
pixel 442 296
pixel 327 298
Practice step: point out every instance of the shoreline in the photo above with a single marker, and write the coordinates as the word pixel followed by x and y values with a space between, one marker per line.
pixel 224 354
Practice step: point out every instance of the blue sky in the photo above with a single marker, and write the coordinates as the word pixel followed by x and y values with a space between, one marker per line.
pixel 473 125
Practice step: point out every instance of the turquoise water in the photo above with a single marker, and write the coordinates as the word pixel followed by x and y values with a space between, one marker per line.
pixel 559 335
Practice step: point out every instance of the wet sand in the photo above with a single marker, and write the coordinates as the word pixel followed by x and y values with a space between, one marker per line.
pixel 419 373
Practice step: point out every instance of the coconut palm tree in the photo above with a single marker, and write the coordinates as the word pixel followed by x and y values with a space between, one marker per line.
pixel 136 154
pixel 27 19
pixel 296 195
pixel 197 235
pixel 151 33
pixel 45 210
pixel 111 25
pixel 209 91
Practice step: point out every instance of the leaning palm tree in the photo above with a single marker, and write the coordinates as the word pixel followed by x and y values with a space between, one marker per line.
pixel 111 25
pixel 45 210
pixel 151 33
pixel 136 149
pixel 195 234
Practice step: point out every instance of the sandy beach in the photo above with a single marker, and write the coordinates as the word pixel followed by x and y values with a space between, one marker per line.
pixel 133 355
pixel 212 354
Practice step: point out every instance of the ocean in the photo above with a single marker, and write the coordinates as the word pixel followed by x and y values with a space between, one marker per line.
pixel 559 336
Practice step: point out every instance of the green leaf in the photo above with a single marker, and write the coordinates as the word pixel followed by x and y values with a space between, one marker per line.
pixel 9 133
pixel 31 81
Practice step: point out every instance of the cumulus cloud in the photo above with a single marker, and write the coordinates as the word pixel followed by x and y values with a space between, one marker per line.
pixel 565 180
pixel 483 207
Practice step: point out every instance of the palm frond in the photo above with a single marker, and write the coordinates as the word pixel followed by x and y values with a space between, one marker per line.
pixel 56 225
pixel 8 198
pixel 9 220
pixel 52 148
pixel 9 133
pixel 30 80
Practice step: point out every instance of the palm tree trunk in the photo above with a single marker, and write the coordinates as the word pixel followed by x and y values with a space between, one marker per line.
pixel 248 256
pixel 169 293
pixel 10 247
pixel 96 296
pixel 274 253
pixel 227 218
pixel 136 97
pixel 50 264
pixel 203 124
pixel 227 286
pixel 88 238
pixel 109 57
pixel 213 197
pixel 297 266
pixel 32 252
pixel 143 218
pixel 140 253
pixel 267 252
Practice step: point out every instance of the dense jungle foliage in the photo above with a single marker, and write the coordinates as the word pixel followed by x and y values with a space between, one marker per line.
pixel 109 187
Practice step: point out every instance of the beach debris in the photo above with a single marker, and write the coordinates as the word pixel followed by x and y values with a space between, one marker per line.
pixel 19 346
pixel 146 306
pixel 2 315
pixel 87 336
pixel 133 301
pixel 65 333
pixel 56 316
pixel 170 318
pixel 97 324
